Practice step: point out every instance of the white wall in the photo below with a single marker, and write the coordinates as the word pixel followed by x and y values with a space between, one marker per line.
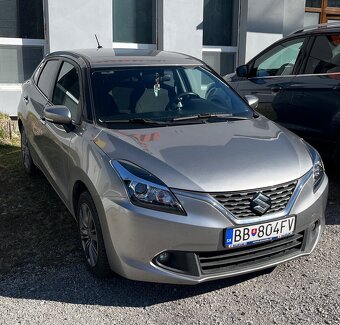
pixel 10 95
pixel 267 22
pixel 72 24
pixel 180 26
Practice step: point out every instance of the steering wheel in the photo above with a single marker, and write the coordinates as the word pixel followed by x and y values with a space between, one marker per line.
pixel 179 98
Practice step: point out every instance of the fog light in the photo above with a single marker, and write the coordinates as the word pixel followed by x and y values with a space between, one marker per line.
pixel 163 257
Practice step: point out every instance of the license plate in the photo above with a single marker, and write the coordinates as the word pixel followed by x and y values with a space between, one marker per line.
pixel 253 234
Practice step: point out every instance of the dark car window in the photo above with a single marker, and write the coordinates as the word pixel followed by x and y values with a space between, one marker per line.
pixel 37 72
pixel 161 93
pixel 279 60
pixel 46 78
pixel 325 55
pixel 67 90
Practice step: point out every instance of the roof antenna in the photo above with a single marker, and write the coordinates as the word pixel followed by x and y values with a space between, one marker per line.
pixel 99 46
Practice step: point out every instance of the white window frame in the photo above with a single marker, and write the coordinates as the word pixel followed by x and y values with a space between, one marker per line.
pixel 136 46
pixel 22 41
pixel 8 41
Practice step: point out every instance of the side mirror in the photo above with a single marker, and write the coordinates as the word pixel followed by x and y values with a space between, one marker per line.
pixel 242 71
pixel 252 100
pixel 58 114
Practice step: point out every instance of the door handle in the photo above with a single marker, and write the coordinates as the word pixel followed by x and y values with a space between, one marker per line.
pixel 26 100
pixel 42 120
pixel 276 89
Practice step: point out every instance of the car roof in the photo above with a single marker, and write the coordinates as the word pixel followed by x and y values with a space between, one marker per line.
pixel 333 27
pixel 105 57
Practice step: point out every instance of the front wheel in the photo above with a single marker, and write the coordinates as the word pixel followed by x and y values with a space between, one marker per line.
pixel 91 237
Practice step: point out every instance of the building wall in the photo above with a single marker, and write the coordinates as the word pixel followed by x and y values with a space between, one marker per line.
pixel 180 26
pixel 72 24
pixel 267 22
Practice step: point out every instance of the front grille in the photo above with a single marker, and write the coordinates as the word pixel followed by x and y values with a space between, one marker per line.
pixel 249 256
pixel 238 203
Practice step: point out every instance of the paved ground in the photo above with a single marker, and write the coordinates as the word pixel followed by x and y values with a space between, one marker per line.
pixel 304 291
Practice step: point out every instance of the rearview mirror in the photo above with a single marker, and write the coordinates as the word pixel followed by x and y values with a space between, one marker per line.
pixel 58 114
pixel 252 100
pixel 242 71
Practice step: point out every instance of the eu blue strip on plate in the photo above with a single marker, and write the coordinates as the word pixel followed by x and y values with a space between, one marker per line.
pixel 229 236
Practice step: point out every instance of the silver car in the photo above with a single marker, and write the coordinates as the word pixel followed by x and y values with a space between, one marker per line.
pixel 171 176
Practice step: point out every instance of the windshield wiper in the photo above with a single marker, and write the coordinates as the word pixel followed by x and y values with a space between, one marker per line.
pixel 209 115
pixel 135 121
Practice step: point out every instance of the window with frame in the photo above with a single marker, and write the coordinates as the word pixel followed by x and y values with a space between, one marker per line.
pixel 325 55
pixel 67 90
pixel 220 19
pixel 134 21
pixel 321 11
pixel 22 19
pixel 46 77
pixel 17 63
pixel 278 61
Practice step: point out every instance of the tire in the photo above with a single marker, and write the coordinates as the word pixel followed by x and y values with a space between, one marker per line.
pixel 91 237
pixel 27 160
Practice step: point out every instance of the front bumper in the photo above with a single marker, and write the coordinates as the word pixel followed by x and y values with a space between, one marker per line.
pixel 135 236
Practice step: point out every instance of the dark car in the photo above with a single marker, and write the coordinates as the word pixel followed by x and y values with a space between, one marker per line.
pixel 297 81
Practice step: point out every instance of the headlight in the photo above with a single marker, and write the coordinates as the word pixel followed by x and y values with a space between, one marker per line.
pixel 318 167
pixel 145 189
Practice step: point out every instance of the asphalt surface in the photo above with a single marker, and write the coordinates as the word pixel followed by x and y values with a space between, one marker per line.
pixel 303 291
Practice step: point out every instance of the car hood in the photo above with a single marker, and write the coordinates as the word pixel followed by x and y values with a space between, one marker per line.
pixel 212 157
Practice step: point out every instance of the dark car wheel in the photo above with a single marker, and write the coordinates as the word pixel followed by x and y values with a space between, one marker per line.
pixel 27 160
pixel 91 237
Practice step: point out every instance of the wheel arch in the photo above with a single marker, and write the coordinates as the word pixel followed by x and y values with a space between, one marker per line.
pixel 20 125
pixel 78 188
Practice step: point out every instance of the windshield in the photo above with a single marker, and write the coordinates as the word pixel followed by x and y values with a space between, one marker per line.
pixel 161 94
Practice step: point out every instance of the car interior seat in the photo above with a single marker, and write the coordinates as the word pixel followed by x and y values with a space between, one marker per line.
pixel 145 99
pixel 320 57
pixel 105 104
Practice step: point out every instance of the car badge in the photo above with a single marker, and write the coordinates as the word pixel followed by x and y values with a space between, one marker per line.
pixel 260 203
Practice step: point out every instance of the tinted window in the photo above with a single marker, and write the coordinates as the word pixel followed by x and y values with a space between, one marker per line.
pixel 134 21
pixel 22 19
pixel 67 90
pixel 278 61
pixel 218 16
pixel 161 93
pixel 46 78
pixel 325 55
pixel 37 72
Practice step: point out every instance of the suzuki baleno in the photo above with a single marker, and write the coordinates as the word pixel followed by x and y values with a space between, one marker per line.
pixel 171 176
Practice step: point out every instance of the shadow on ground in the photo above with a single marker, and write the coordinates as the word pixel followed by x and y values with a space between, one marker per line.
pixel 40 256
pixel 73 284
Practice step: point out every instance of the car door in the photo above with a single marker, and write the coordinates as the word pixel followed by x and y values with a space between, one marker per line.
pixel 56 139
pixel 271 73
pixel 315 111
pixel 35 96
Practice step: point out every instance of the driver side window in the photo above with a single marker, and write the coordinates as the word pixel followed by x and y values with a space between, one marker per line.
pixel 67 90
pixel 278 61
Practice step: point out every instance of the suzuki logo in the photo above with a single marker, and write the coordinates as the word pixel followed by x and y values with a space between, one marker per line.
pixel 260 203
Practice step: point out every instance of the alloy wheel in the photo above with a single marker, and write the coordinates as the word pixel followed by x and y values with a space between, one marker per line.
pixel 88 234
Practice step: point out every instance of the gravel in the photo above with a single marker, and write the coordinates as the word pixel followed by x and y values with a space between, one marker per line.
pixel 303 291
